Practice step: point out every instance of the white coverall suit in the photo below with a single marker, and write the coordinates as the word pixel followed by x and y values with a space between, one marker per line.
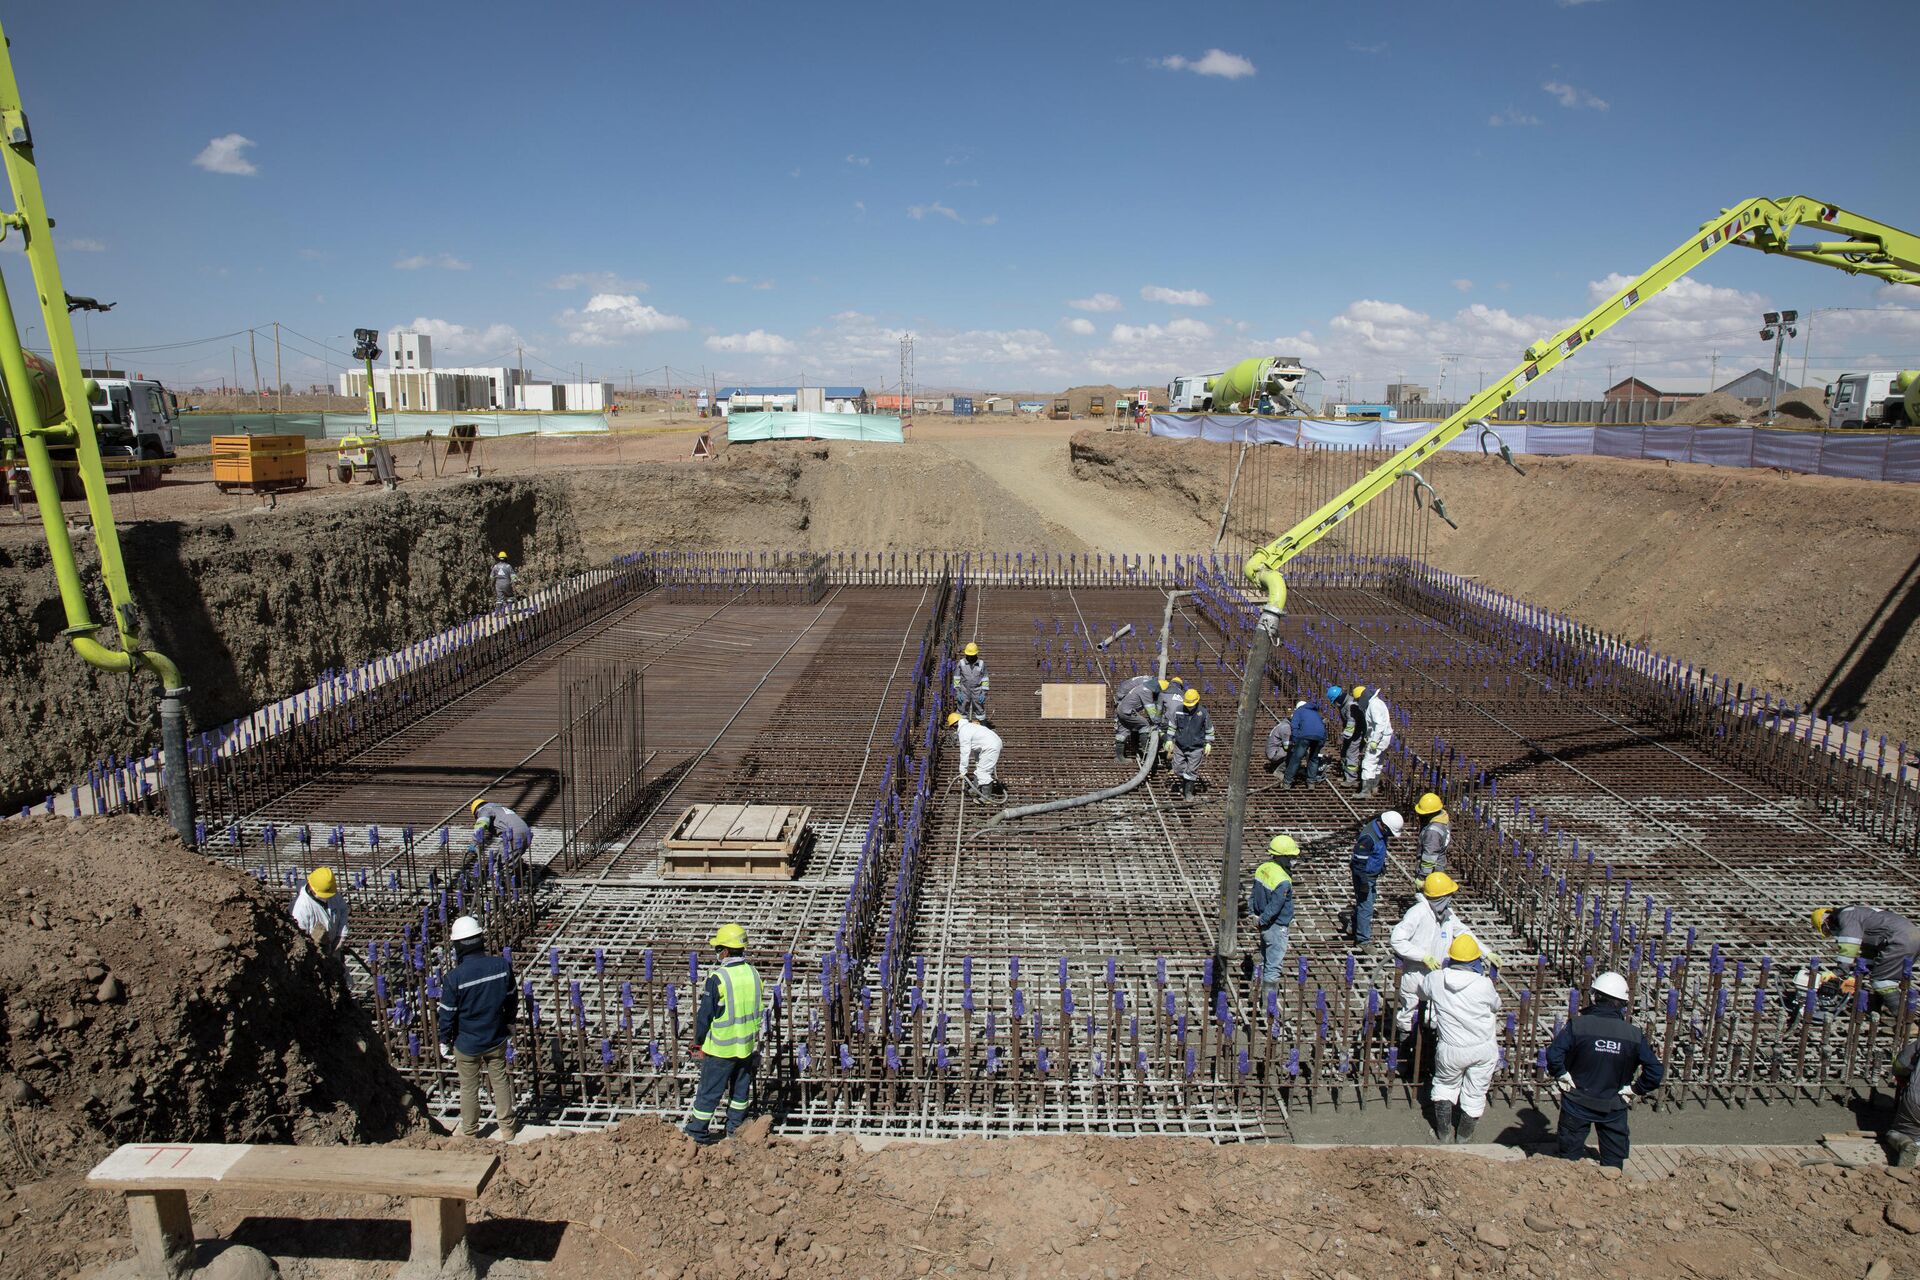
pixel 1463 1008
pixel 976 737
pixel 1419 937
pixel 1379 735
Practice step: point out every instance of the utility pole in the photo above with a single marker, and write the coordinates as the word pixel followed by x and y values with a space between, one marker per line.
pixel 235 351
pixel 1804 345
pixel 520 359
pixel 1779 327
pixel 279 401
pixel 253 354
pixel 1713 370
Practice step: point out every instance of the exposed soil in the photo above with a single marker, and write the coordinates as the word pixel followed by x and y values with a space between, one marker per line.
pixel 1805 407
pixel 145 994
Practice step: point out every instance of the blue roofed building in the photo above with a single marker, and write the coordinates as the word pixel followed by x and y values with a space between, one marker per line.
pixel 793 400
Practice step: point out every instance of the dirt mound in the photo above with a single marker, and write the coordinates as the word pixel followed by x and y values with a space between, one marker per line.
pixel 147 994
pixel 1712 409
pixel 1808 404
pixel 1080 398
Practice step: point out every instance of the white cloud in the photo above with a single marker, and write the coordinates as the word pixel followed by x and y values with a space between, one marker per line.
pixel 1078 324
pixel 957 159
pixel 1463 284
pixel 991 219
pixel 764 285
pixel 456 342
pixel 610 317
pixel 734 279
pixel 1367 48
pixel 86 244
pixel 757 343
pixel 1176 297
pixel 1214 62
pixel 859 161
pixel 1098 302
pixel 920 212
pixel 227 154
pixel 598 282
pixel 444 261
pixel 860 206
pixel 1518 119
pixel 312 255
pixel 1185 329
pixel 1573 97
pixel 964 182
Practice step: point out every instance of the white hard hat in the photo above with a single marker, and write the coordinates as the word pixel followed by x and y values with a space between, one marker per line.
pixel 466 927
pixel 1611 984
pixel 1393 822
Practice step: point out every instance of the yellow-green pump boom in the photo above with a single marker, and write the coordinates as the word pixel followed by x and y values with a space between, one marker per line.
pixel 1846 241
pixel 59 417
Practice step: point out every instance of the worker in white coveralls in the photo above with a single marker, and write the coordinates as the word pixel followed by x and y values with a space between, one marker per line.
pixel 320 910
pixel 1420 942
pixel 980 746
pixel 1463 1008
pixel 1369 729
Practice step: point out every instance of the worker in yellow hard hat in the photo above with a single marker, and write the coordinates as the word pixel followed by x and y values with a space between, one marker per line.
pixel 320 909
pixel 726 1036
pixel 1463 1011
pixel 1436 833
pixel 970 684
pixel 501 574
pixel 980 747
pixel 1886 941
pixel 493 821
pixel 1270 902
pixel 1189 740
pixel 1421 939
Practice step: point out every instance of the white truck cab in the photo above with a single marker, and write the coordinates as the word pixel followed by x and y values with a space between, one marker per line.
pixel 1875 399
pixel 1192 394
pixel 138 413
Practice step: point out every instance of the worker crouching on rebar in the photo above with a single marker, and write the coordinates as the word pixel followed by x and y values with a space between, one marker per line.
pixel 1463 1009
pixel 726 1037
pixel 320 909
pixel 478 1006
pixel 979 746
pixel 1190 739
pixel 1136 710
pixel 1886 942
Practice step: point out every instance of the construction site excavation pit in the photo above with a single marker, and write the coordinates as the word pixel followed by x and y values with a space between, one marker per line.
pixel 934 973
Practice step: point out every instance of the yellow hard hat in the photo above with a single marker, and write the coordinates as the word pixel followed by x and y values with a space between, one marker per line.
pixel 477 802
pixel 1427 805
pixel 1165 684
pixel 1283 847
pixel 1359 689
pixel 320 883
pixel 1464 948
pixel 1191 698
pixel 499 555
pixel 731 936
pixel 953 718
pixel 1820 915
pixel 972 651
pixel 1438 884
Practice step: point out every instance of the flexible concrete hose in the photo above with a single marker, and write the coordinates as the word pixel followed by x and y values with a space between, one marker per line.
pixel 1146 765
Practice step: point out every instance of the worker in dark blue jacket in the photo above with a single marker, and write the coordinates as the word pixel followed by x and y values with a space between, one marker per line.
pixel 1368 861
pixel 1309 735
pixel 1595 1058
pixel 478 1005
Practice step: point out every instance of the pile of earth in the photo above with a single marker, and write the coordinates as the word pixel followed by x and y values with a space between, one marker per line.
pixel 1713 409
pixel 149 994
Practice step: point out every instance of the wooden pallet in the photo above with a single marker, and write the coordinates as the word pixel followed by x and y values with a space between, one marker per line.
pixel 758 840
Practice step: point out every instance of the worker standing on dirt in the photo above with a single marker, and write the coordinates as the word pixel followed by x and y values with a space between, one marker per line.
pixel 726 1036
pixel 980 746
pixel 1595 1058
pixel 1368 861
pixel 1190 740
pixel 1436 833
pixel 1270 901
pixel 1421 941
pixel 502 577
pixel 1463 1008
pixel 478 1006
pixel 1885 940
pixel 970 684
pixel 1308 731
pixel 320 909
pixel 495 821
pixel 1903 1135
pixel 1136 709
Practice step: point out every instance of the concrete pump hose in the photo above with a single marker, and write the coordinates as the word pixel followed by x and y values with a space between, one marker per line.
pixel 1107 793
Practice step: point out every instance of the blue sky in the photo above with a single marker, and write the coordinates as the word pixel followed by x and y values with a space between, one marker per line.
pixel 1042 193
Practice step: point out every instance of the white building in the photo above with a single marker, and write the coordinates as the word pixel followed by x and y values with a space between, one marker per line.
pixel 792 399
pixel 410 381
pixel 421 390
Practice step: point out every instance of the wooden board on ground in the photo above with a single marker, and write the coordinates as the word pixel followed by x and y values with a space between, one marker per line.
pixel 735 840
pixel 386 1171
pixel 1073 702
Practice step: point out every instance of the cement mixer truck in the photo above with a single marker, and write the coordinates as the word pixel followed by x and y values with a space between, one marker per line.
pixel 1883 399
pixel 1277 379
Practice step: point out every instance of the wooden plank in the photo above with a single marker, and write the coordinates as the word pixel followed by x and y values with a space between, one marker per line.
pixel 757 823
pixel 438 1228
pixel 162 1231
pixel 1060 701
pixel 387 1171
pixel 715 822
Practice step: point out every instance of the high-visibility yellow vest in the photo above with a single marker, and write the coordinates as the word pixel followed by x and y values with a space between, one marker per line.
pixel 735 1029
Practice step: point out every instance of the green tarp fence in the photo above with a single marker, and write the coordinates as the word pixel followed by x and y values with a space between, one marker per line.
pixel 813 426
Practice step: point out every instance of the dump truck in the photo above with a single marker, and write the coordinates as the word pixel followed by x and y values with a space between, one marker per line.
pixel 1062 410
pixel 1097 407
pixel 1882 398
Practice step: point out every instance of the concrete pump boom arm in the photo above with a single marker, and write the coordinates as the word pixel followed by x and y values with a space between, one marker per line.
pixel 1858 245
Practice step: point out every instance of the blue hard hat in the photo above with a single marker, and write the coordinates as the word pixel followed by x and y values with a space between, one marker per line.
pixel 1333 692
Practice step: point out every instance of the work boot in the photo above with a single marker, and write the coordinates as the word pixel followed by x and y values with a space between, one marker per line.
pixel 1119 748
pixel 1186 788
pixel 1906 1151
pixel 997 789
pixel 1443 1123
pixel 1463 1127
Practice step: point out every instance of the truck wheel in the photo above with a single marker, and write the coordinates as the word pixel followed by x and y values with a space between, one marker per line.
pixel 344 473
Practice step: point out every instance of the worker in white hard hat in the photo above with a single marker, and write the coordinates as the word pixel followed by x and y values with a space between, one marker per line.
pixel 970 684
pixel 1369 859
pixel 979 746
pixel 1462 1006
pixel 1420 942
pixel 494 821
pixel 1602 1064
pixel 320 909
pixel 478 1007
pixel 501 575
